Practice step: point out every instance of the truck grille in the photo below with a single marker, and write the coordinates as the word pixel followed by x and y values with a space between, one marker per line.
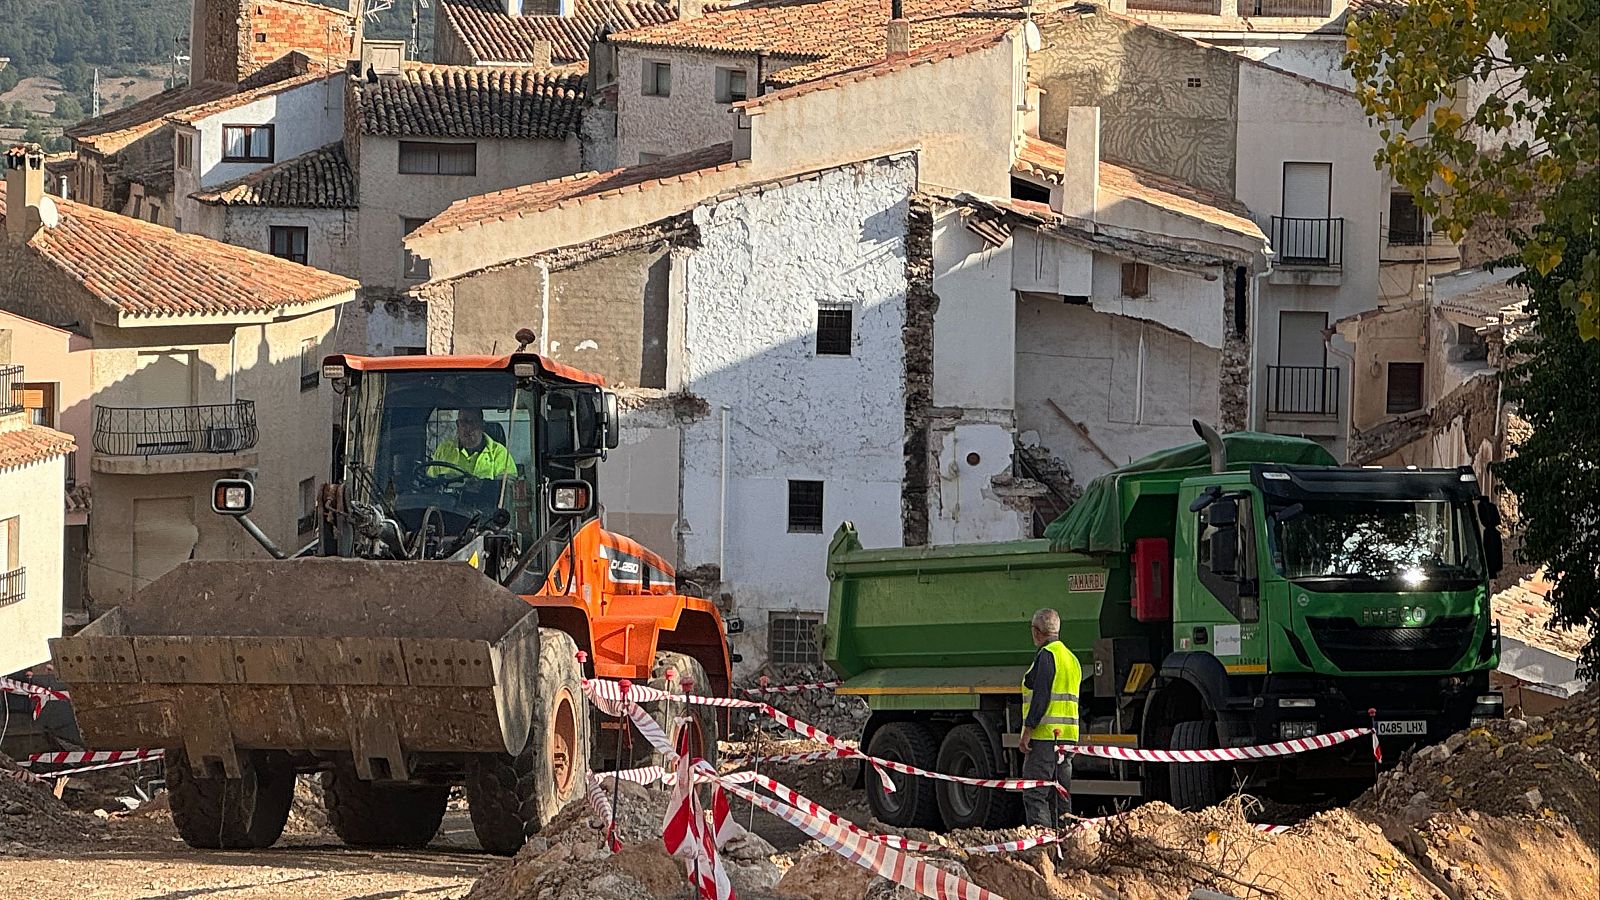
pixel 1358 648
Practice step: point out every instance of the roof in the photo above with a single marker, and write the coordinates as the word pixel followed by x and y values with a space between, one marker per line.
pixel 321 179
pixel 826 36
pixel 1048 161
pixel 143 269
pixel 491 36
pixel 472 101
pixel 532 198
pixel 117 129
pixel 1481 293
pixel 931 53
pixel 471 361
pixel 192 114
pixel 32 443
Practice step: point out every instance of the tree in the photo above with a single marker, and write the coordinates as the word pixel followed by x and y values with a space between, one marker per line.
pixel 68 109
pixel 1556 472
pixel 1494 101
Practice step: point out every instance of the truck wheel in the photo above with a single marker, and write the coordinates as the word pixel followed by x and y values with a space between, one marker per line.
pixel 1195 786
pixel 913 804
pixel 364 814
pixel 511 797
pixel 967 752
pixel 244 813
pixel 672 670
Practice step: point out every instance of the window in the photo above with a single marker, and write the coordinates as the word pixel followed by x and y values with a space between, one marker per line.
pixel 731 86
pixel 1406 226
pixel 1405 387
pixel 805 507
pixel 792 639
pixel 152 213
pixel 261 37
pixel 1135 279
pixel 39 402
pixel 11 573
pixel 185 152
pixel 647 158
pixel 657 79
pixel 289 242
pixel 834 326
pixel 434 158
pixel 247 143
pixel 1193 82
pixel 310 366
pixel 307 522
pixel 177 223
pixel 416 267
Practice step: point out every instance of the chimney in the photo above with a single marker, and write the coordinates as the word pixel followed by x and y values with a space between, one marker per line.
pixel 542 53
pixel 899 35
pixel 27 207
pixel 687 9
pixel 1033 97
pixel 382 58
pixel 564 8
pixel 513 8
pixel 1080 183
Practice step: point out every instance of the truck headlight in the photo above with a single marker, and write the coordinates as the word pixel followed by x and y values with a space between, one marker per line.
pixel 1297 702
pixel 1288 731
pixel 1486 707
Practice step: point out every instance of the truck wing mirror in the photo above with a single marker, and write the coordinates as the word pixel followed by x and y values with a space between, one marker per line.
pixel 1225 552
pixel 1206 498
pixel 1292 511
pixel 1494 553
pixel 1488 513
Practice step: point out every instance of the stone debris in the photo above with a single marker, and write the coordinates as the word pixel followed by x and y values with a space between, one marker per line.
pixel 839 716
pixel 33 820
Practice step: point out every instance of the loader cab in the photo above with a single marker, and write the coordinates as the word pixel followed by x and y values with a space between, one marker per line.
pixel 446 448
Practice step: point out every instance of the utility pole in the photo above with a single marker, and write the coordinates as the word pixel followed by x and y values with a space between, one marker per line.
pixel 94 100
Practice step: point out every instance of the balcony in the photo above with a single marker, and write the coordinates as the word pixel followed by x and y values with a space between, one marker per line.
pixel 10 390
pixel 1190 7
pixel 1317 243
pixel 174 438
pixel 13 586
pixel 1311 391
pixel 1309 9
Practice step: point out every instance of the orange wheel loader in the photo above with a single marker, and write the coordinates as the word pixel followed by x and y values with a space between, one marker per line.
pixel 428 637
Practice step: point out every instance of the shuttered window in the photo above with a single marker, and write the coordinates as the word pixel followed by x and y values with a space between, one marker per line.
pixel 436 158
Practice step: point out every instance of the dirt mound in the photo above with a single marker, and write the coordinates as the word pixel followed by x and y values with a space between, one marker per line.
pixel 1538 768
pixel 31 818
pixel 1480 857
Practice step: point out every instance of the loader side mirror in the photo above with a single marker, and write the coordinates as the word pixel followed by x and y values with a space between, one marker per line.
pixel 232 496
pixel 613 421
pixel 571 497
pixel 733 625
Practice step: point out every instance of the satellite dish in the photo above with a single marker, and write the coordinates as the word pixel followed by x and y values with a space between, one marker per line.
pixel 1030 33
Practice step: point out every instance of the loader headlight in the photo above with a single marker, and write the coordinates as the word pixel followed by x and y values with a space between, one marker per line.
pixel 573 497
pixel 232 496
pixel 332 371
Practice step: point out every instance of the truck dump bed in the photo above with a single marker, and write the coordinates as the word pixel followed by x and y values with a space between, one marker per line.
pixel 379 659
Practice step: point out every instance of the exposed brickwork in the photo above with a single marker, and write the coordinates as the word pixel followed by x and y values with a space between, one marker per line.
pixel 921 304
pixel 243 36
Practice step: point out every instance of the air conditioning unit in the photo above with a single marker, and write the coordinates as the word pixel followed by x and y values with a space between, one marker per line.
pixel 223 439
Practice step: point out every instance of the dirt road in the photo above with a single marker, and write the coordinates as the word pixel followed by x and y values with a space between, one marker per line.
pixel 146 862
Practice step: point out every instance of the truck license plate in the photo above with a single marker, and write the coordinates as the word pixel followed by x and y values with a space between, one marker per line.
pixel 1403 727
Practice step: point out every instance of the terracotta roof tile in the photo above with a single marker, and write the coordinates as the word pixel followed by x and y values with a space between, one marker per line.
pixel 1045 160
pixel 923 56
pixel 31 444
pixel 472 101
pixel 117 129
pixel 491 36
pixel 144 269
pixel 828 36
pixel 192 114
pixel 545 195
pixel 321 179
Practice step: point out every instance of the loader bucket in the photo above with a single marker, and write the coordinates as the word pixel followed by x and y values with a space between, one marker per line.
pixel 383 660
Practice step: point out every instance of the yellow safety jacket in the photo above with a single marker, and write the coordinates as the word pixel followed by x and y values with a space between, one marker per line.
pixel 1060 722
pixel 491 461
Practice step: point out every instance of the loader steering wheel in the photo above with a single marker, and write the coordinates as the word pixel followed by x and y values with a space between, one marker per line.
pixel 423 474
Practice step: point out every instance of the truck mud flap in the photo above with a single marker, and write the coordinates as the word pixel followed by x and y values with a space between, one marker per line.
pixel 382 660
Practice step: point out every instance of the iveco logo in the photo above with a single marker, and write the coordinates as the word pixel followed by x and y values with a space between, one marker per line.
pixel 1394 615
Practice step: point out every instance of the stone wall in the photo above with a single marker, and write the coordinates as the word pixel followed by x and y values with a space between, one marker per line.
pixel 1233 374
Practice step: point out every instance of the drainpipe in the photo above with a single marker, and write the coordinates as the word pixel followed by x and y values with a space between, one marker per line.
pixel 233 367
pixel 722 501
pixel 1138 380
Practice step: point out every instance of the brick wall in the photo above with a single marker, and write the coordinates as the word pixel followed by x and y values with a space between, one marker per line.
pixel 242 36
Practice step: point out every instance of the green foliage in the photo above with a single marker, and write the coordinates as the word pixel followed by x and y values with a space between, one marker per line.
pixel 68 109
pixel 1556 472
pixel 8 78
pixel 41 33
pixel 1441 74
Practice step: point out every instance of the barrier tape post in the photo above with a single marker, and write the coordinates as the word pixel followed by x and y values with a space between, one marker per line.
pixel 1377 748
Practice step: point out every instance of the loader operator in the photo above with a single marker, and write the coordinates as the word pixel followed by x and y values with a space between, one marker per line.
pixel 477 454
pixel 1050 720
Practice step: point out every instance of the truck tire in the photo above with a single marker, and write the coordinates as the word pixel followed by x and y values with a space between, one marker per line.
pixel 364 814
pixel 967 751
pixel 244 813
pixel 510 798
pixel 672 670
pixel 1195 786
pixel 913 804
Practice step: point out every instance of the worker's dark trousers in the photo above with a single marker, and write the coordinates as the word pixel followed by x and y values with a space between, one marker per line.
pixel 1043 806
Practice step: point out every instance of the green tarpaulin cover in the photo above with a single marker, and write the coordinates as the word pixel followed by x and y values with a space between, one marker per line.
pixel 1094 523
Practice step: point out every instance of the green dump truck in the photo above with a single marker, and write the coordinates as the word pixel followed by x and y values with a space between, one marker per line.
pixel 1240 590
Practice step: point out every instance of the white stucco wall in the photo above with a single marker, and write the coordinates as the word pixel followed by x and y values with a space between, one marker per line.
pixel 1185 303
pixel 751 293
pixel 689 117
pixel 972 331
pixel 33 494
pixel 303 118
pixel 1282 120
pixel 1317 57
pixel 331 234
pixel 387 196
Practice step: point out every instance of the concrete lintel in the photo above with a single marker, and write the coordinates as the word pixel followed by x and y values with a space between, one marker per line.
pixel 173 464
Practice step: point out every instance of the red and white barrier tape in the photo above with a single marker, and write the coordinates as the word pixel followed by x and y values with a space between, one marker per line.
pixel 764 688
pixel 1224 754
pixel 40 695
pixel 68 757
pixel 23 775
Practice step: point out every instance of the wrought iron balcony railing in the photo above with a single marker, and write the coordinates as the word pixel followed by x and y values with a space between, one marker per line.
pixel 1308 242
pixel 13 586
pixel 1303 390
pixel 160 430
pixel 10 390
pixel 1313 9
pixel 1194 7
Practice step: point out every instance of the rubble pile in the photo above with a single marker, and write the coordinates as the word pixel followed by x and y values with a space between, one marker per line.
pixel 838 716
pixel 1535 767
pixel 307 815
pixel 32 819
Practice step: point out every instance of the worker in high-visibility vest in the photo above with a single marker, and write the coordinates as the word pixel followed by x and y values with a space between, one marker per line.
pixel 1049 720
